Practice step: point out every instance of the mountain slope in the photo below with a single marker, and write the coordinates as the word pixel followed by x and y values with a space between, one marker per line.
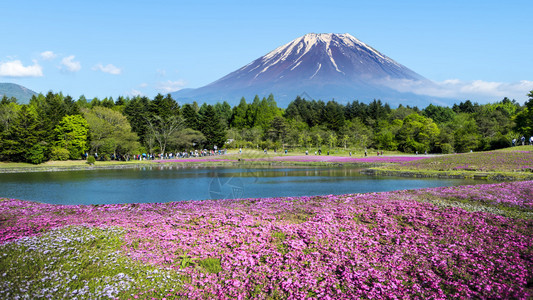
pixel 22 94
pixel 325 66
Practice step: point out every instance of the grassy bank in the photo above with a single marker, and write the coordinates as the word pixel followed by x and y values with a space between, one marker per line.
pixel 514 163
pixel 455 242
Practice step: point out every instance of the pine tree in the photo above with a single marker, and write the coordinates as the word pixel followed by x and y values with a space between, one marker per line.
pixel 22 136
pixel 212 128
pixel 191 116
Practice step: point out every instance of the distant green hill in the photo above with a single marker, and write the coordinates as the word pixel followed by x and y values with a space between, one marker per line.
pixel 22 94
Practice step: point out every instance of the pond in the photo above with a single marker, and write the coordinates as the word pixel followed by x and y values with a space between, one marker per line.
pixel 167 183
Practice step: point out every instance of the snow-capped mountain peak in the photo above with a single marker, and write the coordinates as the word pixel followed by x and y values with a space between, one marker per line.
pixel 329 65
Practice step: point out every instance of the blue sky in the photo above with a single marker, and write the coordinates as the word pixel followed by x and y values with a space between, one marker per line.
pixel 479 50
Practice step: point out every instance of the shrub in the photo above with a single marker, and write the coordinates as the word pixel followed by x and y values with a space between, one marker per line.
pixel 59 153
pixel 446 148
pixel 91 160
pixel 36 154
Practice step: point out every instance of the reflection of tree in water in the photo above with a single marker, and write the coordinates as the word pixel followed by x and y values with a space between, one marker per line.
pixel 226 188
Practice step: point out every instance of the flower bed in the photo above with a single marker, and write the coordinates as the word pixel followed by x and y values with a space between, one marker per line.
pixel 197 159
pixel 342 159
pixel 377 245
pixel 505 161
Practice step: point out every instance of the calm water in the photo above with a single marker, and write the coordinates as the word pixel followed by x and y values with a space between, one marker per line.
pixel 165 184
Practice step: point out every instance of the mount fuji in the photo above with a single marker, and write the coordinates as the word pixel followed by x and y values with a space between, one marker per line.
pixel 322 66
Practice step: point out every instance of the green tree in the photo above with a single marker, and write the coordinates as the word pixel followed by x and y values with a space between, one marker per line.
pixel 270 110
pixel 164 107
pixel 191 116
pixel 332 139
pixel 164 130
pixel 493 126
pixel 8 113
pixel 224 112
pixel 252 111
pixel 238 118
pixel 212 128
pixel 50 110
pixel 17 143
pixel 466 133
pixel 72 134
pixel 136 111
pixel 417 133
pixel 524 120
pixel 438 114
pixel 71 106
pixel 360 134
pixel 278 129
pixel 334 116
pixel 188 138
pixel 110 132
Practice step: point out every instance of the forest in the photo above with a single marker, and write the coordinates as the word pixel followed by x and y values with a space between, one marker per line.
pixel 58 127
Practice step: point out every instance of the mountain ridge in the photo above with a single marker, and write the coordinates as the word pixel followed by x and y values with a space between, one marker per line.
pixel 21 93
pixel 324 65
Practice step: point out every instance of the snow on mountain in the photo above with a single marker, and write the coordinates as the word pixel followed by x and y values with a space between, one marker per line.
pixel 326 66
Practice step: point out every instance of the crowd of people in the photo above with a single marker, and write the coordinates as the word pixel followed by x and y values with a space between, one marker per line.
pixel 523 141
pixel 178 155
pixel 161 156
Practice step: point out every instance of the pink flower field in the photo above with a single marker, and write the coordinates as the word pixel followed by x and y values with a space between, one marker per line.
pixel 498 160
pixel 342 159
pixel 392 245
pixel 194 159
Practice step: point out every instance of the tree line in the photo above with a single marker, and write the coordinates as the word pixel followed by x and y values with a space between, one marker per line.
pixel 57 127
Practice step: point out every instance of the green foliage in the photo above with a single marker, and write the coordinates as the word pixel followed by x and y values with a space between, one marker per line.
pixel 524 120
pixel 23 134
pixel 188 138
pixel 58 153
pixel 210 265
pixel 161 125
pixel 72 134
pixel 91 160
pixel 191 116
pixel 334 116
pixel 224 111
pixel 466 134
pixel 238 119
pixel 136 112
pixel 438 114
pixel 36 155
pixel 417 133
pixel 212 128
pixel 8 112
pixel 110 132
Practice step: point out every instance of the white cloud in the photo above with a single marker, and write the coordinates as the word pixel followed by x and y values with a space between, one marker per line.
pixel 48 55
pixel 135 92
pixel 143 85
pixel 70 65
pixel 109 68
pixel 477 90
pixel 170 86
pixel 15 68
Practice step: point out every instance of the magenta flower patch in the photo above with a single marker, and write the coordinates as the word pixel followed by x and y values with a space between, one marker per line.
pixel 376 245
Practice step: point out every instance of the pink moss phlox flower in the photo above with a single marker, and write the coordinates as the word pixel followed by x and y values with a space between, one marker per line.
pixel 342 159
pixel 375 245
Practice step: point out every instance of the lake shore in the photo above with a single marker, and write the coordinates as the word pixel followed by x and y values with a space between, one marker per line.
pixel 492 165
pixel 472 241
pixel 453 242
